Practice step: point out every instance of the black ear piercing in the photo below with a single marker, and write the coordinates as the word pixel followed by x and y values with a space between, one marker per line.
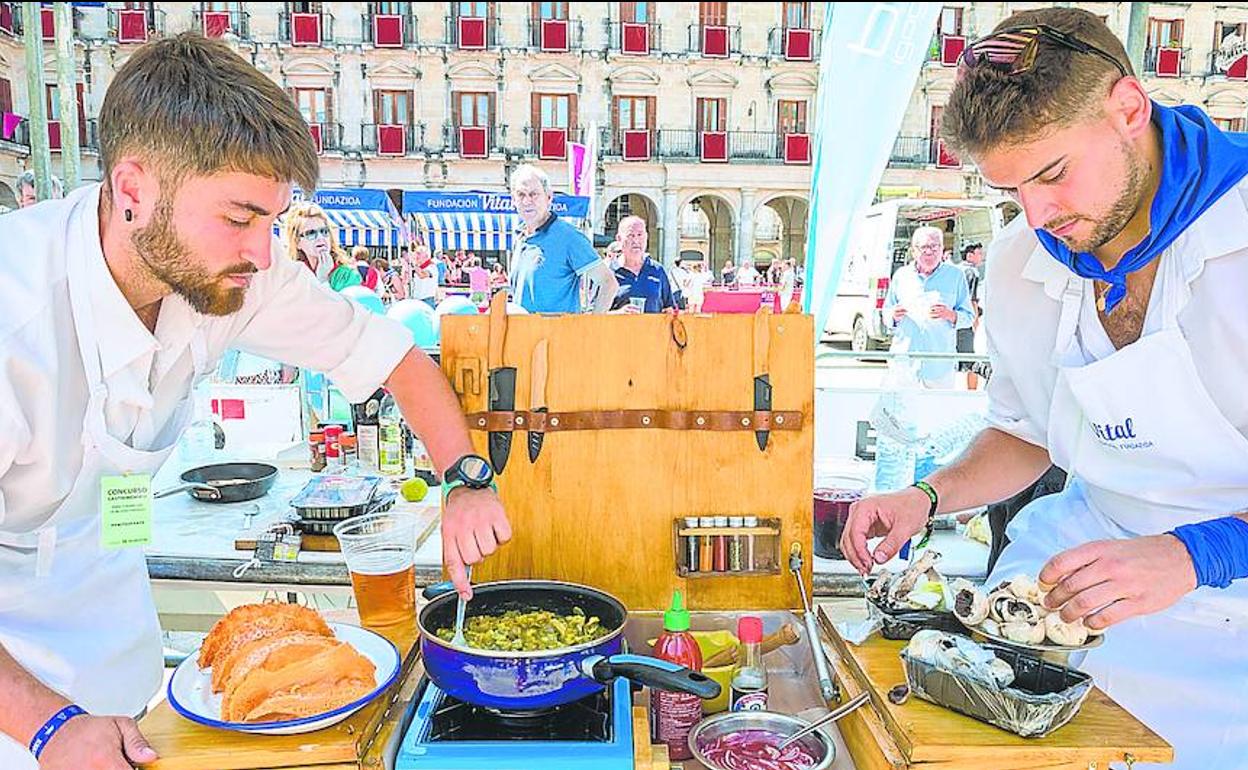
pixel 129 215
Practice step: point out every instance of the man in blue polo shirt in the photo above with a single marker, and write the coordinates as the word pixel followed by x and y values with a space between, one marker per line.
pixel 552 257
pixel 640 277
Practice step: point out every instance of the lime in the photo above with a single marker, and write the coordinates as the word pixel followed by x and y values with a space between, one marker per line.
pixel 414 490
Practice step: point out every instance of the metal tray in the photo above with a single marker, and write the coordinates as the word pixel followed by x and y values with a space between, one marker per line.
pixel 314 526
pixel 1043 697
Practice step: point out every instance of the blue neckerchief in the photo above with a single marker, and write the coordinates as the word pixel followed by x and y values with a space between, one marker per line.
pixel 1199 163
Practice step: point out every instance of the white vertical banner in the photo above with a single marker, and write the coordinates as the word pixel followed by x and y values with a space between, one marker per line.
pixel 870 57
pixel 583 171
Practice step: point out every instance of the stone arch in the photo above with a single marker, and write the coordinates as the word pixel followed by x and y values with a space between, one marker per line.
pixel 793 213
pixel 716 242
pixel 622 203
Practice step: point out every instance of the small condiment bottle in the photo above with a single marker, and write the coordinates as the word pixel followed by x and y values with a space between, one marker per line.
pixel 316 450
pixel 721 545
pixel 749 678
pixel 706 546
pixel 691 545
pixel 736 548
pixel 333 447
pixel 750 522
pixel 350 453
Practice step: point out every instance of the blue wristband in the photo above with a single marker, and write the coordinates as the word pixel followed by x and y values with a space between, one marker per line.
pixel 1219 549
pixel 58 720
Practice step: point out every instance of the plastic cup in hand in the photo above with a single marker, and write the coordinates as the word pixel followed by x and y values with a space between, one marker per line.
pixel 833 497
pixel 380 551
pixel 637 305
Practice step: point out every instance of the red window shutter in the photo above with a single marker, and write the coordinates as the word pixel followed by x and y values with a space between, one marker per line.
pixel 47 24
pixel 54 134
pixel 650 117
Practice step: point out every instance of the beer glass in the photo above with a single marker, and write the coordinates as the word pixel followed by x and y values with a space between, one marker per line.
pixel 380 551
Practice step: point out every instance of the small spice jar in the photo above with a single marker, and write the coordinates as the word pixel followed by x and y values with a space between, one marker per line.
pixel 736 546
pixel 691 545
pixel 706 546
pixel 316 450
pixel 721 545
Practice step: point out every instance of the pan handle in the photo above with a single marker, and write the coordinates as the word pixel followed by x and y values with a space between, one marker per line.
pixel 651 672
pixel 207 490
pixel 434 590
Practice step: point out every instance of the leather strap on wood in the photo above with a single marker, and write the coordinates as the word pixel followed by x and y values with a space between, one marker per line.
pixel 554 422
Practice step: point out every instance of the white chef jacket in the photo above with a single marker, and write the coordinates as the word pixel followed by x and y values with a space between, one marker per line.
pixel 1209 261
pixel 286 316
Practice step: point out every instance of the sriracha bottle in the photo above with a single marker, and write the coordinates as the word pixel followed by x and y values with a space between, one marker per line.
pixel 673 715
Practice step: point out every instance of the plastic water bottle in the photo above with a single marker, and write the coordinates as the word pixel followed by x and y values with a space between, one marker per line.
pixel 947 443
pixel 199 442
pixel 894 465
pixel 390 455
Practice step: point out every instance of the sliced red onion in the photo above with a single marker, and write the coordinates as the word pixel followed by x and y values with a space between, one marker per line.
pixel 756 750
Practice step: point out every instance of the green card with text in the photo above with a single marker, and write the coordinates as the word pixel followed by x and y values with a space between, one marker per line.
pixel 126 510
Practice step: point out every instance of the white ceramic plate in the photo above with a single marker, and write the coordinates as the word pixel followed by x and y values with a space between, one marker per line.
pixel 191 695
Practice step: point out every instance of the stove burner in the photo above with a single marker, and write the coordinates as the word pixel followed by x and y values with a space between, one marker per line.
pixel 586 720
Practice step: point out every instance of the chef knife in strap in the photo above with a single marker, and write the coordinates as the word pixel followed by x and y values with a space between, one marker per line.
pixel 537 397
pixel 762 380
pixel 502 381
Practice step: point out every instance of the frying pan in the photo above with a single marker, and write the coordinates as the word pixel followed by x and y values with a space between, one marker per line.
pixel 225 482
pixel 527 681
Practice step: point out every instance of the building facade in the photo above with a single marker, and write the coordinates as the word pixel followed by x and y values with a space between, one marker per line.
pixel 701 112
pixel 1194 54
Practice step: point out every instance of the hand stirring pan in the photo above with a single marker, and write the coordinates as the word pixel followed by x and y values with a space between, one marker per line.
pixel 461 607
pixel 836 714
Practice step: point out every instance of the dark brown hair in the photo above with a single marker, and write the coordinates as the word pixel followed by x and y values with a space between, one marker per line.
pixel 989 107
pixel 191 105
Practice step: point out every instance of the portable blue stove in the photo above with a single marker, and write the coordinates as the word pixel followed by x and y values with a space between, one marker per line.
pixel 595 733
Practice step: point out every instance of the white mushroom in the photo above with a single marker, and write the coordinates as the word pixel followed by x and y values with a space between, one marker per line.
pixel 990 627
pixel 1067 634
pixel 1024 632
pixel 1024 587
pixel 970 604
pixel 1005 607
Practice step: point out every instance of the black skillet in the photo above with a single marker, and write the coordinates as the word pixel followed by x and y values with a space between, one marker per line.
pixel 225 482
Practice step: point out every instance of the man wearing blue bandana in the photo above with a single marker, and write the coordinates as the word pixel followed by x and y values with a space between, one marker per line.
pixel 1119 343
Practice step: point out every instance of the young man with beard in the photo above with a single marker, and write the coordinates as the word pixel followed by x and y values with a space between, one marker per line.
pixel 1119 339
pixel 128 293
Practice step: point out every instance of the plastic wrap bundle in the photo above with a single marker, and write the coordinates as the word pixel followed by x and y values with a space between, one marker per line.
pixel 993 683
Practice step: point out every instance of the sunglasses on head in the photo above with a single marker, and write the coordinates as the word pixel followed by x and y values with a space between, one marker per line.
pixel 311 235
pixel 1014 50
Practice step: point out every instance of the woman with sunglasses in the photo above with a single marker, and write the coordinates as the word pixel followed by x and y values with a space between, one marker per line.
pixel 1119 343
pixel 310 238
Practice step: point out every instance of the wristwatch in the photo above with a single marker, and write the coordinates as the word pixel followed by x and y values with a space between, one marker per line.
pixel 471 471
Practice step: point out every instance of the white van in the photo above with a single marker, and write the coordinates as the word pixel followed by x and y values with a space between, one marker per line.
pixel 880 243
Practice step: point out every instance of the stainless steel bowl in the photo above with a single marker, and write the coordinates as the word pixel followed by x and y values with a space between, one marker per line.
pixel 712 728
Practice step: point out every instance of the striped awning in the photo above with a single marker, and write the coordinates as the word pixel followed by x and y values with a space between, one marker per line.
pixel 359 227
pixel 473 231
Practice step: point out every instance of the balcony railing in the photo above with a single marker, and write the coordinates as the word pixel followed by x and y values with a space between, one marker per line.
pixel 496 138
pixel 390 31
pixel 1238 69
pixel 640 39
pixel 714 41
pixel 791 46
pixel 465 35
pixel 330 135
pixel 532 141
pixel 682 144
pixel 11 19
pixel 309 29
pixel 556 35
pixel 414 138
pixel 135 25
pixel 911 151
pixel 221 23
pixel 21 135
pixel 1167 61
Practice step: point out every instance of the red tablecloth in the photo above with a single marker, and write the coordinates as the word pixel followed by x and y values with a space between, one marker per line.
pixel 745 300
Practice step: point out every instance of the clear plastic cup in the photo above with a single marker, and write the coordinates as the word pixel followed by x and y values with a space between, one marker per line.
pixel 380 551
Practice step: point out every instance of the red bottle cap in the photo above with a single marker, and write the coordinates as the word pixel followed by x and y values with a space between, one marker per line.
pixel 750 629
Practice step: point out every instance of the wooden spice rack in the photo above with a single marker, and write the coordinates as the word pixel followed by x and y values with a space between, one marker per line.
pixel 766 549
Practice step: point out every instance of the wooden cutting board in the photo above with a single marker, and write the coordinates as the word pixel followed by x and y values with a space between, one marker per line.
pixel 348 745
pixel 921 734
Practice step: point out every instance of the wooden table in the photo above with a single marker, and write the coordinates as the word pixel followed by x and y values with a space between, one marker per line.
pixel 921 734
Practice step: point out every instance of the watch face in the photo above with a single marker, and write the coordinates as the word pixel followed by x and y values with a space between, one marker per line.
pixel 475 469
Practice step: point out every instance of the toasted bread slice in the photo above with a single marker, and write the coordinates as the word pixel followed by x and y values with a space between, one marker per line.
pixel 310 701
pixel 336 667
pixel 269 653
pixel 256 621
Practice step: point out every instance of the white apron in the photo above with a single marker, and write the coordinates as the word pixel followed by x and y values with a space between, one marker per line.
pixel 77 616
pixel 1148 450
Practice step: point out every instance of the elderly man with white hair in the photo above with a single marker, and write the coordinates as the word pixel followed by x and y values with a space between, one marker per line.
pixel 26 194
pixel 552 257
pixel 927 302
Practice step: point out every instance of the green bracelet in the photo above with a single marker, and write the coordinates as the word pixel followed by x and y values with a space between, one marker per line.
pixel 927 489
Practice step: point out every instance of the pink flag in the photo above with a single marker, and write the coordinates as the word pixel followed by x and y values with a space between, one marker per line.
pixel 11 122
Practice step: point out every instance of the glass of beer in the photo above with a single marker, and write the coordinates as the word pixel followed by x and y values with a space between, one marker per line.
pixel 380 551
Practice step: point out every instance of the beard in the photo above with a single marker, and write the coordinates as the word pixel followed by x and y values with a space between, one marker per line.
pixel 1110 224
pixel 169 260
